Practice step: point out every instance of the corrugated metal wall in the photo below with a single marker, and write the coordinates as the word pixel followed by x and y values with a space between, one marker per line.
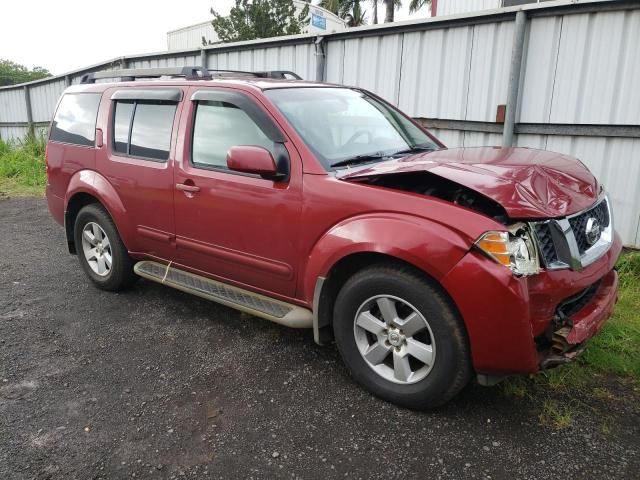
pixel 580 68
pixel 190 37
pixel 454 7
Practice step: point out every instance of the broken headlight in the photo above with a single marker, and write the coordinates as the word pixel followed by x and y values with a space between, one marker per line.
pixel 514 249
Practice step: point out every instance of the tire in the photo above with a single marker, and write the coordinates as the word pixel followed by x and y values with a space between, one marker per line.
pixel 426 324
pixel 115 275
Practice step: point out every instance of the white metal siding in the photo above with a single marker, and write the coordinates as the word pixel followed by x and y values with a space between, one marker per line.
pixel 435 76
pixel 191 37
pixel 296 58
pixel 164 62
pixel 370 62
pixel 12 106
pixel 583 68
pixel 44 98
pixel 453 7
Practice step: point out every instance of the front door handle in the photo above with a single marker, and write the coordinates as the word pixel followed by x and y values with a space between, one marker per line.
pixel 187 188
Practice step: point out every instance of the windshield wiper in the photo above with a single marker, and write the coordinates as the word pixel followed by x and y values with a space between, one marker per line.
pixel 415 148
pixel 360 159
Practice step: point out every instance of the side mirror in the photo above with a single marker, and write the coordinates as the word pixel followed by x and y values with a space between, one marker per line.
pixel 252 159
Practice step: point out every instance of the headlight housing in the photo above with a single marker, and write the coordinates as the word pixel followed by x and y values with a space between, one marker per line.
pixel 513 248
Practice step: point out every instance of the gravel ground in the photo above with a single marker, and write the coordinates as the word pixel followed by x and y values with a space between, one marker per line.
pixel 154 383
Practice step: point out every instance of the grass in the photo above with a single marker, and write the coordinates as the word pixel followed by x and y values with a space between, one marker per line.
pixel 613 353
pixel 22 167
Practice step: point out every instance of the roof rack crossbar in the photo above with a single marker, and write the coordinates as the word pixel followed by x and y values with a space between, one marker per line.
pixel 189 73
pixel 276 74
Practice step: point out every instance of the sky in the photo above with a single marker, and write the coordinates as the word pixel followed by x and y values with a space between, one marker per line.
pixel 70 34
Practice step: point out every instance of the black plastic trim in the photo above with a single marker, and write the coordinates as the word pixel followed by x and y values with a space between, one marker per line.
pixel 153 94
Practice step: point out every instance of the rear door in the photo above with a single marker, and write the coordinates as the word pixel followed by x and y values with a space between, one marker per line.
pixel 236 226
pixel 138 161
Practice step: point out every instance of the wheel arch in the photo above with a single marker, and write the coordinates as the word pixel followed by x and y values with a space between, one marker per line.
pixel 328 286
pixel 87 187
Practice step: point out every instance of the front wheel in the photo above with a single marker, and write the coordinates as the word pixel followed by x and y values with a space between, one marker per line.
pixel 400 337
pixel 103 256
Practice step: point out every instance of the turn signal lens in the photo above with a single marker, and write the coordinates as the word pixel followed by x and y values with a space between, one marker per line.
pixel 513 249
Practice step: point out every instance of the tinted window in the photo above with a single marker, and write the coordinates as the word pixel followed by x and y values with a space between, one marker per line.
pixel 122 121
pixel 75 119
pixel 150 132
pixel 220 126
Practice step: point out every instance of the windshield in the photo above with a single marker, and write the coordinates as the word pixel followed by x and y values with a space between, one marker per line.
pixel 343 126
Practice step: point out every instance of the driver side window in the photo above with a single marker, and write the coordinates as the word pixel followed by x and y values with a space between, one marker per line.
pixel 219 126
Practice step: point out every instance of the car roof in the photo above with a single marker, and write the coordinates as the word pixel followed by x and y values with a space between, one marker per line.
pixel 228 81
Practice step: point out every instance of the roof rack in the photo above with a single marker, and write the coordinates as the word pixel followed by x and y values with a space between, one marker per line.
pixel 276 74
pixel 189 73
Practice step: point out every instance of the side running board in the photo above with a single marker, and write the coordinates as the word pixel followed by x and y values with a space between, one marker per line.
pixel 259 305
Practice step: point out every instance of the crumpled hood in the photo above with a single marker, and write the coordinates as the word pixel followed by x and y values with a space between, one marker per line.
pixel 528 183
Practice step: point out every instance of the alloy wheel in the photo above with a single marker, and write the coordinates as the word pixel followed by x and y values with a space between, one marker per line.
pixel 394 339
pixel 97 249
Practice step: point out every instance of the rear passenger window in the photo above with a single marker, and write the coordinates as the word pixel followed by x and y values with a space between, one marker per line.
pixel 220 126
pixel 143 129
pixel 75 119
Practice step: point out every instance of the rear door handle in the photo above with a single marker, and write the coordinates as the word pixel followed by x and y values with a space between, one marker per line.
pixel 187 188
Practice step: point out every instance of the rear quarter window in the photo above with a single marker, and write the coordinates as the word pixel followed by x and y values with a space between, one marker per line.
pixel 75 119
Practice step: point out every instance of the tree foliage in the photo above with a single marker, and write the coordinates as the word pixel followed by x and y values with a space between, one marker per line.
pixel 12 73
pixel 415 5
pixel 350 11
pixel 390 7
pixel 251 19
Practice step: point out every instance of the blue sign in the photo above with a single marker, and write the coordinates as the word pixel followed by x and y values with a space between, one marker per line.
pixel 318 21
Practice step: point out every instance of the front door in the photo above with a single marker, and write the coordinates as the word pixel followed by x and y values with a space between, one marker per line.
pixel 234 226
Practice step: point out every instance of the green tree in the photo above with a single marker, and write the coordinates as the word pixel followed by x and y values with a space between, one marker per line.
pixel 350 11
pixel 390 7
pixel 12 73
pixel 416 5
pixel 375 11
pixel 251 19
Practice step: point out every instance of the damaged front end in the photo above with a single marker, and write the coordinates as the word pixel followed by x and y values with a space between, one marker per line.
pixel 426 183
pixel 577 319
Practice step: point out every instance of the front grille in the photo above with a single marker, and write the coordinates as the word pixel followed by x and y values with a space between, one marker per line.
pixel 545 243
pixel 563 243
pixel 574 304
pixel 579 224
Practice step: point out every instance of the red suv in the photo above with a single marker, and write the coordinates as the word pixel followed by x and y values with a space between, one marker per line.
pixel 321 206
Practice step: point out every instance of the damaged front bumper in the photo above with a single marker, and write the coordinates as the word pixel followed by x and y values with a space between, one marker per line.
pixel 569 333
pixel 519 325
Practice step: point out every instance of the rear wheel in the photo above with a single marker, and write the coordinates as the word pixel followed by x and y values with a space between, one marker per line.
pixel 103 256
pixel 400 337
